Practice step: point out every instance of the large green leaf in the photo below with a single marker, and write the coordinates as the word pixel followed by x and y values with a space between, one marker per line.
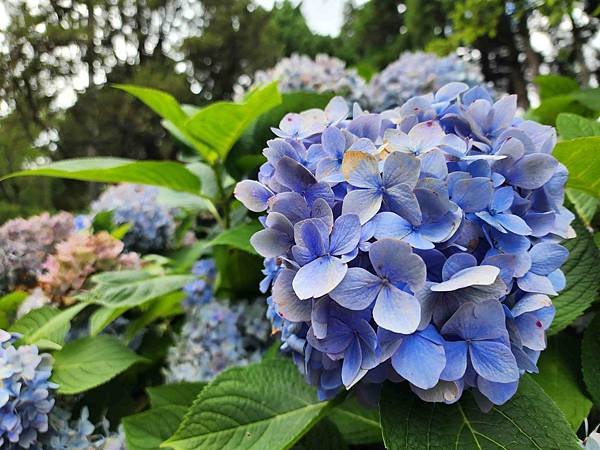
pixel 238 237
pixel 164 306
pixel 560 377
pixel 167 174
pixel 180 394
pixel 324 435
pixel 221 124
pixel 358 424
pixel 582 158
pixel 590 362
pixel 571 126
pixel 9 304
pixel 147 430
pixel 262 406
pixel 132 288
pixel 553 85
pixel 582 270
pixel 530 420
pixel 103 317
pixel 585 205
pixel 163 104
pixel 89 362
pixel 46 326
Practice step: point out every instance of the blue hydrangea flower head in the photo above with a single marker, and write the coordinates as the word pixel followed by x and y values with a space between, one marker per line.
pixel 25 398
pixel 200 291
pixel 417 73
pixel 152 225
pixel 420 244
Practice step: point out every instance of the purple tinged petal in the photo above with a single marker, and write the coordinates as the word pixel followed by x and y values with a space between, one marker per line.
pixel 393 260
pixel 390 225
pixel 444 392
pixel 289 306
pixel 531 331
pixel 442 229
pixel 363 145
pixel 330 171
pixel 457 262
pixel 336 110
pixel 319 191
pixel 352 364
pixel 365 203
pixel 396 310
pixel 292 205
pixel 357 290
pixel 313 235
pixel 419 361
pixel 254 195
pixel 361 170
pixel 493 361
pixel 319 317
pixel 293 175
pixel 333 142
pixel 476 321
pixel 366 126
pixel 450 91
pixel 319 277
pixel 504 112
pixel 401 199
pixel 473 194
pixel 271 243
pixel 532 171
pixel 471 276
pixel 433 164
pixel 345 235
pixel 321 210
pixel 401 168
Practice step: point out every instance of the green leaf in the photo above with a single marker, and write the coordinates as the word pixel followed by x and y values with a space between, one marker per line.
pixel 86 363
pixel 103 317
pixel 46 325
pixel 571 126
pixel 590 349
pixel 9 304
pixel 160 102
pixel 324 435
pixel 590 98
pixel 550 108
pixel 180 394
pixel 239 272
pixel 530 420
pixel 132 288
pixel 262 406
pixel 582 158
pixel 358 424
pixel 582 271
pixel 553 85
pixel 560 377
pixel 221 124
pixel 164 306
pixel 585 204
pixel 147 430
pixel 238 237
pixel 119 170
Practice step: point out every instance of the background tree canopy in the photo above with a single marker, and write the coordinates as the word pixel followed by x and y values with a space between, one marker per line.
pixel 59 58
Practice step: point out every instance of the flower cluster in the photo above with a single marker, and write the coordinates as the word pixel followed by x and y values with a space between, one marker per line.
pixel 302 73
pixel 25 400
pixel 416 73
pixel 152 225
pixel 80 256
pixel 419 244
pixel 216 334
pixel 24 245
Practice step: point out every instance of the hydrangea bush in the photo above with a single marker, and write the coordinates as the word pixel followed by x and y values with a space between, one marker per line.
pixel 152 225
pixel 322 74
pixel 420 244
pixel 216 334
pixel 24 245
pixel 416 73
pixel 25 393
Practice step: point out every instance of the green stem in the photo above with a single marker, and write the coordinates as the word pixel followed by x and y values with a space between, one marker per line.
pixel 223 200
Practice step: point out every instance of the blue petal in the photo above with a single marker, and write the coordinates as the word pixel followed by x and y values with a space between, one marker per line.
pixel 271 243
pixel 493 361
pixel 292 205
pixel 471 276
pixel 319 277
pixel 390 225
pixel 532 171
pixel 365 203
pixel 401 168
pixel 333 142
pixel 357 290
pixel 361 169
pixel 329 170
pixel 419 361
pixel 401 199
pixel 433 164
pixel 345 235
pixel 546 257
pixel 289 306
pixel 319 191
pixel 456 360
pixel 531 331
pixel 293 175
pixel 476 321
pixel 393 260
pixel 351 372
pixel 513 223
pixel 253 195
pixel 457 262
pixel 532 282
pixel 396 310
pixel 312 234
pixel 502 199
pixel 497 393
pixel 472 194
